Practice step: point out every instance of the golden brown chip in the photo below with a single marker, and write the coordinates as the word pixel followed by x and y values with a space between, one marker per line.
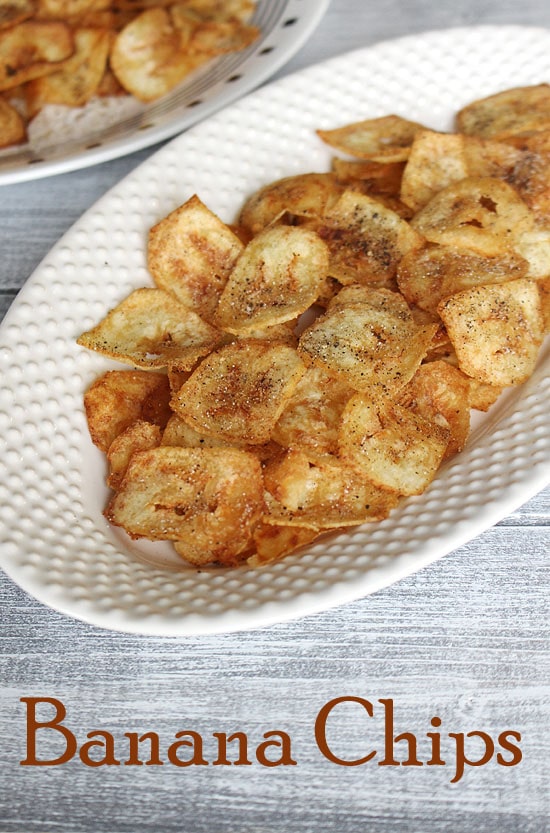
pixel 544 292
pixel 515 112
pixel 180 433
pixel 385 139
pixel 207 499
pixel 375 345
pixel 12 126
pixel 191 253
pixel 439 159
pixel 147 57
pixel 121 397
pixel 321 496
pixel 496 330
pixel 427 277
pixel 241 10
pixel 78 80
pixel 239 391
pixel 366 240
pixel 277 277
pixel 311 419
pixel 139 436
pixel 62 9
pixel 531 175
pixel 440 393
pixel 31 49
pixel 150 328
pixel 395 448
pixel 274 542
pixel 13 12
pixel 216 37
pixel 303 195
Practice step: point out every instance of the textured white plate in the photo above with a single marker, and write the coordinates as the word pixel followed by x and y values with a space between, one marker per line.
pixel 54 540
pixel 92 136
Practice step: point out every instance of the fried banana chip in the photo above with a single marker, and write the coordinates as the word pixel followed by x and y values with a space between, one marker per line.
pixel 13 12
pixel 220 10
pixel 191 253
pixel 151 329
pixel 496 330
pixel 304 195
pixel 147 56
pixel 366 240
pixel 179 433
pixel 385 139
pixel 439 159
pixel 486 213
pixel 239 391
pixel 516 112
pixel 440 393
pixel 278 276
pixel 78 80
pixel 139 436
pixel 375 345
pixel 274 542
pixel 427 277
pixel 12 126
pixel 31 49
pixel 311 419
pixel 322 496
pixel 394 448
pixel 64 9
pixel 207 499
pixel 121 397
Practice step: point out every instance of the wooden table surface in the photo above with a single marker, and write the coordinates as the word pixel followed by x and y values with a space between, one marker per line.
pixel 465 639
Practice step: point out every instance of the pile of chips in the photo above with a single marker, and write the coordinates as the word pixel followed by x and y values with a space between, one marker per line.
pixel 305 369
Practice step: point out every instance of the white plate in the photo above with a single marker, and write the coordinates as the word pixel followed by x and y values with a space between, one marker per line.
pixel 122 126
pixel 54 540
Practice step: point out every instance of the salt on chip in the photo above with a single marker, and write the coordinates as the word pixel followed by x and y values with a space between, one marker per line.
pixel 496 330
pixel 191 253
pixel 303 195
pixel 439 393
pixel 373 345
pixel 439 159
pixel 180 433
pixel 31 49
pixel 208 500
pixel 321 496
pixel 78 80
pixel 385 139
pixel 311 418
pixel 119 398
pixel 514 112
pixel 150 328
pixel 394 448
pixel 427 277
pixel 139 436
pixel 278 276
pixel 239 391
pixel 366 239
pixel 484 212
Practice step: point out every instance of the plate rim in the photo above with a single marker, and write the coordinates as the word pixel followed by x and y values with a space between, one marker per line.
pixel 244 620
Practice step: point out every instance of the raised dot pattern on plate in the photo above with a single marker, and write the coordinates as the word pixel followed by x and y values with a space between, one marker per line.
pixel 54 539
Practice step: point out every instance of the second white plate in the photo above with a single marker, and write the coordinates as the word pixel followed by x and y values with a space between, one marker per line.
pixel 111 128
